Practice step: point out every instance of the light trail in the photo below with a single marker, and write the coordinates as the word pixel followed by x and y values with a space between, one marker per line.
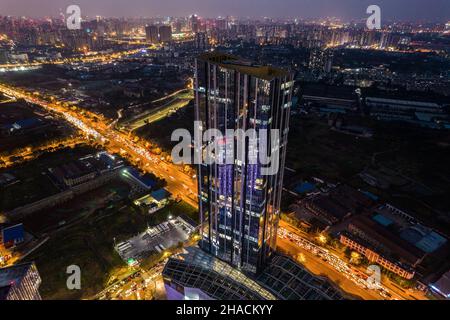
pixel 134 150
pixel 331 259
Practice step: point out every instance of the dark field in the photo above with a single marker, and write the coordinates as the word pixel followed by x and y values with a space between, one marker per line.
pixel 413 161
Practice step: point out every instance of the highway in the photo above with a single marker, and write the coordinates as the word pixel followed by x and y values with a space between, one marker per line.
pixel 93 126
pixel 142 285
pixel 108 57
pixel 315 258
pixel 323 261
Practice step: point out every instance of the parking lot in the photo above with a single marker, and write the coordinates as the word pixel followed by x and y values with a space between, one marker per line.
pixel 155 239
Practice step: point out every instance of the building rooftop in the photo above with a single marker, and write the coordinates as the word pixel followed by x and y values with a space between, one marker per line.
pixel 71 170
pixel 443 285
pixel 23 124
pixel 406 95
pixel 143 179
pixel 281 279
pixel 217 279
pixel 160 194
pixel 235 63
pixel 290 281
pixel 329 91
pixel 304 187
pixel 392 243
pixel 13 275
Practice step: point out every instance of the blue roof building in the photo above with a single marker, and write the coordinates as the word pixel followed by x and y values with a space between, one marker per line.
pixel 160 195
pixel 134 175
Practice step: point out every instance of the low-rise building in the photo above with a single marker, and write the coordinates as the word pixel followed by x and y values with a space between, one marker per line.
pixel 85 169
pixel 20 282
pixel 338 204
pixel 386 237
pixel 442 286
pixel 160 196
pixel 372 255
pixel 11 235
pixel 138 180
pixel 327 99
pixel 423 113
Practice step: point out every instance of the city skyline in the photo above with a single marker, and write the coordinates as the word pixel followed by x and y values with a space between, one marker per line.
pixel 348 10
pixel 184 150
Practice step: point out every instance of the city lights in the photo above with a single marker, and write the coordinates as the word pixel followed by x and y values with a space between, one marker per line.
pixel 263 151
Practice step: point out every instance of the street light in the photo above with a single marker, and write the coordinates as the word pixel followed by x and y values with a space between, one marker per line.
pixel 322 239
pixel 354 255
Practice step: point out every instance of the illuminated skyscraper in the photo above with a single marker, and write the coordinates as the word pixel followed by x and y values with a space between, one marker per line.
pixel 239 204
pixel 20 282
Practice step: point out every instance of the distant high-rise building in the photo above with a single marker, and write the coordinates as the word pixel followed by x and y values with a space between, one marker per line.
pixel 364 38
pixel 222 24
pixel 165 34
pixel 178 26
pixel 4 56
pixel 194 23
pixel 151 34
pixel 81 40
pixel 239 205
pixel 404 41
pixel 321 60
pixel 385 40
pixel 389 40
pixel 20 282
pixel 201 41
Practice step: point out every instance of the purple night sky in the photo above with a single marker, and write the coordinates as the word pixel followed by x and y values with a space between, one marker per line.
pixel 429 10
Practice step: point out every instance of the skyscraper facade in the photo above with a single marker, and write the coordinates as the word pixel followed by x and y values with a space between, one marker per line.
pixel 151 34
pixel 20 282
pixel 239 204
pixel 165 34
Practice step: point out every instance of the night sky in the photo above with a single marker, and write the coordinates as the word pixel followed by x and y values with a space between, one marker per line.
pixel 411 10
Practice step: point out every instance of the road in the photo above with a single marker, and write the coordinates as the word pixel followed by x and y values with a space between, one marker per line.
pixel 141 285
pixel 95 127
pixel 180 184
pixel 316 266
pixel 320 260
pixel 180 100
pixel 108 57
